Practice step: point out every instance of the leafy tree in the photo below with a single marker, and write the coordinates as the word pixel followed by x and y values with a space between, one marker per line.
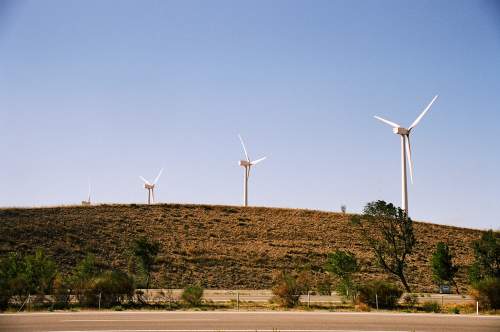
pixel 31 274
pixel 83 273
pixel 39 272
pixel 389 232
pixel 11 282
pixel 443 269
pixel 146 252
pixel 343 264
pixel 487 257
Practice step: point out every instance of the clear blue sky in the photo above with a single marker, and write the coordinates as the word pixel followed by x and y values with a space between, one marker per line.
pixel 118 89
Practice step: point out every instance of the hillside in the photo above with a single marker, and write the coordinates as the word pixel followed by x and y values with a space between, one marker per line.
pixel 221 246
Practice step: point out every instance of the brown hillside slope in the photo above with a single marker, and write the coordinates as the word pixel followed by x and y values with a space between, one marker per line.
pixel 219 246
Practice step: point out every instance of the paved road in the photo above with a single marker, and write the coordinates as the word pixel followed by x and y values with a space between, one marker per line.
pixel 244 321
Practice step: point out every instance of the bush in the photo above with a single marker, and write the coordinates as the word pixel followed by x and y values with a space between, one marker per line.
pixel 431 306
pixel 488 292
pixel 410 299
pixel 287 289
pixel 192 295
pixel 387 293
pixel 113 286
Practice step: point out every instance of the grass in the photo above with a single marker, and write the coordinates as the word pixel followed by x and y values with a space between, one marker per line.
pixel 224 247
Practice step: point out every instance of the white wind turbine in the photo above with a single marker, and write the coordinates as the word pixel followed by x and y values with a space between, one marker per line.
pixel 151 187
pixel 406 150
pixel 87 202
pixel 247 164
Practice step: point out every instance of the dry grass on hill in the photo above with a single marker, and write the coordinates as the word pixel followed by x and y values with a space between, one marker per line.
pixel 220 246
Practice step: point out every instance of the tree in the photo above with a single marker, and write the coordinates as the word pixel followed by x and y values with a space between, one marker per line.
pixel 443 269
pixel 389 232
pixel 343 264
pixel 484 273
pixel 39 272
pixel 487 257
pixel 146 252
pixel 81 279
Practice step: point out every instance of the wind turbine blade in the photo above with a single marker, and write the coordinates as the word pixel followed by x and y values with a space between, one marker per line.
pixel 244 149
pixel 158 177
pixel 423 113
pixel 390 123
pixel 408 156
pixel 143 179
pixel 257 161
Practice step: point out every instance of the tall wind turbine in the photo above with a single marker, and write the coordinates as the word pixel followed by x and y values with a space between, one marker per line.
pixel 247 164
pixel 151 187
pixel 406 150
pixel 87 202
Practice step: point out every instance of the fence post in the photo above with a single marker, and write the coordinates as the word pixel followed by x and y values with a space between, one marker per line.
pixel 442 300
pixel 376 300
pixel 238 300
pixel 308 299
pixel 477 307
pixel 99 301
pixel 29 302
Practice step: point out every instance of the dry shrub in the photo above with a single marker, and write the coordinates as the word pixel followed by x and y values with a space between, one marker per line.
pixel 362 307
pixel 287 289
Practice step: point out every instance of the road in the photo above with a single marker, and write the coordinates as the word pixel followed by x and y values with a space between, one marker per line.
pixel 137 321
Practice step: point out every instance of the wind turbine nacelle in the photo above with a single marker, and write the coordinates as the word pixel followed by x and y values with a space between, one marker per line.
pixel 244 163
pixel 400 131
pixel 149 186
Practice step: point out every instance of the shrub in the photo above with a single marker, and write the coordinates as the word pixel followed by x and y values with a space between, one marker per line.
pixel 410 299
pixel 488 292
pixel 431 306
pixel 192 295
pixel 387 293
pixel 113 286
pixel 286 289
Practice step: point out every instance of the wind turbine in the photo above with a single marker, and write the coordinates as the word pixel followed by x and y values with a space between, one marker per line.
pixel 87 202
pixel 406 150
pixel 247 164
pixel 151 187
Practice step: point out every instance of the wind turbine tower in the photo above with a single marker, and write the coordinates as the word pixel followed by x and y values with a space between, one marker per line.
pixel 150 187
pixel 404 133
pixel 87 202
pixel 247 164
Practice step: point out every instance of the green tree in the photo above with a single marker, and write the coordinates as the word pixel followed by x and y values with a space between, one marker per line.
pixel 84 271
pixel 343 264
pixel 146 252
pixel 443 269
pixel 487 257
pixel 389 232
pixel 11 280
pixel 39 272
